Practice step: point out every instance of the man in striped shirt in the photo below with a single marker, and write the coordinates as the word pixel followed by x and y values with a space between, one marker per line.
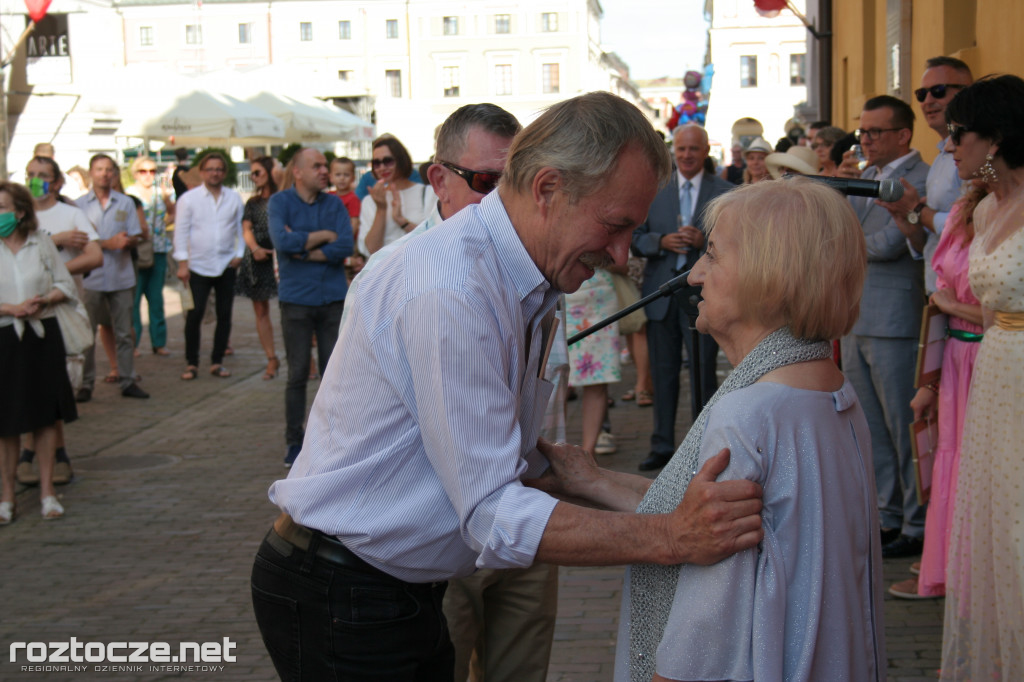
pixel 410 473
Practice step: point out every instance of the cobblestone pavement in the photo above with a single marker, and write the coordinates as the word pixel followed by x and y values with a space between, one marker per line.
pixel 169 504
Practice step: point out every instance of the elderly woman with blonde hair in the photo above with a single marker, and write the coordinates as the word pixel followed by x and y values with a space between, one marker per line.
pixel 781 277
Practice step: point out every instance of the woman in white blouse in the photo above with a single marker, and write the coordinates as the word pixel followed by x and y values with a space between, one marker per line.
pixel 395 204
pixel 36 390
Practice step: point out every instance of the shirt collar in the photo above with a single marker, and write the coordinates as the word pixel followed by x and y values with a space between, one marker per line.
pixel 521 269
pixel 942 145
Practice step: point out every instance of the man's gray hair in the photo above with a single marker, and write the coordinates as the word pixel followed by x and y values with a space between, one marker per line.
pixel 582 137
pixel 451 139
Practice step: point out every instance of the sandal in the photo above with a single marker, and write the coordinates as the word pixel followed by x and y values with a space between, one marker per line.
pixel 628 395
pixel 272 366
pixel 6 513
pixel 190 373
pixel 51 509
pixel 220 371
pixel 644 399
pixel 112 378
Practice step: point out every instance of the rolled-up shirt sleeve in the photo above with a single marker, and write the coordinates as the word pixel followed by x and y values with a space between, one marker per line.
pixel 288 243
pixel 468 408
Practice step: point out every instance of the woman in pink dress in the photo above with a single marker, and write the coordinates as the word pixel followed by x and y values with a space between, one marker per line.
pixel 947 401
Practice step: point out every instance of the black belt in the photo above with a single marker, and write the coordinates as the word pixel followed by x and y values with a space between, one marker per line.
pixel 328 547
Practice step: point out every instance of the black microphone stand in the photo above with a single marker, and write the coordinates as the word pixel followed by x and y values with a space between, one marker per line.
pixel 666 289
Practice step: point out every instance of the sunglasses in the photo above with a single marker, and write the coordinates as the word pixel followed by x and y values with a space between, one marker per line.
pixel 256 174
pixel 938 91
pixel 146 171
pixel 874 133
pixel 481 182
pixel 956 132
pixel 386 161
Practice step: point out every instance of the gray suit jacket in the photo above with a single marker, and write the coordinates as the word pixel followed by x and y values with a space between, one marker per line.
pixel 894 286
pixel 662 219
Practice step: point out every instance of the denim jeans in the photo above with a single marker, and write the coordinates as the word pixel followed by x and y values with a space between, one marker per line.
pixel 299 323
pixel 321 621
pixel 151 285
pixel 224 287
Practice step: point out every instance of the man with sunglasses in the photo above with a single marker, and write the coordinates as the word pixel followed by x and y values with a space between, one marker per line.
pixel 924 217
pixel 475 136
pixel 411 471
pixel 880 353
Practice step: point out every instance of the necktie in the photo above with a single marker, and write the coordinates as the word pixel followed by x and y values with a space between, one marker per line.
pixel 685 214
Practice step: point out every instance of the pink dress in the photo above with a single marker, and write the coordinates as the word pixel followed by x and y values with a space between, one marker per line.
pixel 950 263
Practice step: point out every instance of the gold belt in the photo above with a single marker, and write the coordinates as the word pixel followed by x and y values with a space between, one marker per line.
pixel 1011 322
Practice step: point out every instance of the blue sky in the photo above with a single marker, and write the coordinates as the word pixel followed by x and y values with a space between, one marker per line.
pixel 655 37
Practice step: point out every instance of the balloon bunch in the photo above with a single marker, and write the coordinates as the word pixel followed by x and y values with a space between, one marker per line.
pixel 693 108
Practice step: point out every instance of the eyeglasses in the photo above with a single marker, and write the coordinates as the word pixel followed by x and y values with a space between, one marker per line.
pixel 818 145
pixel 481 182
pixel 386 161
pixel 874 133
pixel 146 171
pixel 956 132
pixel 256 174
pixel 938 91
pixel 45 178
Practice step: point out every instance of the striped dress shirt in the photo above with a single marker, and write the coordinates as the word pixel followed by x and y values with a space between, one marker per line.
pixel 428 415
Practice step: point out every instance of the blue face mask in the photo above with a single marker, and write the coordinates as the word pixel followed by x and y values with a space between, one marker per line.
pixel 8 221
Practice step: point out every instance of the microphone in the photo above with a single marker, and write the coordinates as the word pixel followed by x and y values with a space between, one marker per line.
pixel 886 190
pixel 669 287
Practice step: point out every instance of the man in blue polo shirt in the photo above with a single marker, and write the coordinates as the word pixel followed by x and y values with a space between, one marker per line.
pixel 313 236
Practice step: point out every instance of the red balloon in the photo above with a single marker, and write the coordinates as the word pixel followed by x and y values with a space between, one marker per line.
pixel 770 5
pixel 37 8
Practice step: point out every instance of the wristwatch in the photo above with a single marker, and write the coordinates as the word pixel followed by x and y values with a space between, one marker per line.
pixel 914 217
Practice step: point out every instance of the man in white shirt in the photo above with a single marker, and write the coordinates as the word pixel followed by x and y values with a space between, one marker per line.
pixel 208 246
pixel 410 471
pixel 79 247
pixel 111 286
pixel 922 218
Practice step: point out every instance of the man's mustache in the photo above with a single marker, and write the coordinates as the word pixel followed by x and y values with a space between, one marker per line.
pixel 596 260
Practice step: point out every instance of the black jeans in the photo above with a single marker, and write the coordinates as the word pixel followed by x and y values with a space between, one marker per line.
pixel 321 621
pixel 224 287
pixel 299 323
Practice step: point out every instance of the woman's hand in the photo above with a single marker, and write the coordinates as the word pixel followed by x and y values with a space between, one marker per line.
pixel 925 403
pixel 260 254
pixel 378 192
pixel 572 473
pixel 28 308
pixel 945 300
pixel 396 210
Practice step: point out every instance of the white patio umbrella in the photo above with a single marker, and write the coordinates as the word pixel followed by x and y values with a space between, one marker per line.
pixel 200 118
pixel 304 122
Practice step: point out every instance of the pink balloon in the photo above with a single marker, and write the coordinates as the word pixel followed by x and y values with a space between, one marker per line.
pixel 37 8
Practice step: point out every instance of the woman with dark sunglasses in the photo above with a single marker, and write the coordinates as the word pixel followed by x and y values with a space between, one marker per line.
pixel 984 624
pixel 396 204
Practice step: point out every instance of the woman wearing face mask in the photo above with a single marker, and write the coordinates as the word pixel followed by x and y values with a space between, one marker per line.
pixel 36 390
pixel 395 204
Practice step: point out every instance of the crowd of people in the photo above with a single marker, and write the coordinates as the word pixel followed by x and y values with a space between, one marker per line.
pixel 512 239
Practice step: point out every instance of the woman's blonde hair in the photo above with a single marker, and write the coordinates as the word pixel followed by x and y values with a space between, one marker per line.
pixel 801 252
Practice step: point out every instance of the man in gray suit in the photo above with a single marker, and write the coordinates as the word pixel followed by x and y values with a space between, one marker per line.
pixel 672 239
pixel 880 354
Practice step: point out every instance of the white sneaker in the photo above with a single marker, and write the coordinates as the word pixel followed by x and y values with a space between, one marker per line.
pixel 605 444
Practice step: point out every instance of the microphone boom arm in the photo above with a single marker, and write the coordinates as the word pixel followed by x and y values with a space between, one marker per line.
pixel 669 287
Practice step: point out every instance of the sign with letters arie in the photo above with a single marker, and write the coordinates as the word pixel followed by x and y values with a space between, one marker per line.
pixel 48 50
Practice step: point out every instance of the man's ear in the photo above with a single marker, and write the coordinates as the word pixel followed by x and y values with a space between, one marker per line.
pixel 546 184
pixel 437 177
